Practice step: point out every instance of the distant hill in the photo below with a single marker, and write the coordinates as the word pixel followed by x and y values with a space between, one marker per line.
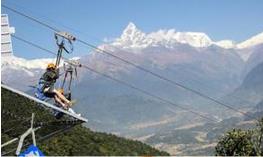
pixel 78 141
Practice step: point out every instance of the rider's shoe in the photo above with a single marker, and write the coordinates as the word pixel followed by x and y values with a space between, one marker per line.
pixel 72 111
pixel 72 102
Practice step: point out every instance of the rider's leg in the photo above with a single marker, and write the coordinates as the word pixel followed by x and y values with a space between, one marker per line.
pixel 61 96
pixel 58 100
pixel 58 94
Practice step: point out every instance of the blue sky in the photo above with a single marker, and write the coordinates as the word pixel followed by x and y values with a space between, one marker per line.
pixel 94 20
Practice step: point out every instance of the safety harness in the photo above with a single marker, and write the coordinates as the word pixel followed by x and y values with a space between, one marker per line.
pixel 47 80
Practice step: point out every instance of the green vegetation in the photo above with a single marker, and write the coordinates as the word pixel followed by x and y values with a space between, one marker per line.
pixel 76 142
pixel 81 141
pixel 239 142
pixel 236 142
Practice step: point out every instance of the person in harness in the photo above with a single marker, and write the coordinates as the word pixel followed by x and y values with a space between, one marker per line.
pixel 46 89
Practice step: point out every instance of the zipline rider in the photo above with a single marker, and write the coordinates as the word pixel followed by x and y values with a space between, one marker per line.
pixel 46 87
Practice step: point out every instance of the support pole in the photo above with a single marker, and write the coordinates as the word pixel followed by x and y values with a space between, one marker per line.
pixel 22 138
pixel 59 55
pixel 31 130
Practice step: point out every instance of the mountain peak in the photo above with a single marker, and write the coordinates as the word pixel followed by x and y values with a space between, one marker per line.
pixel 130 30
pixel 131 37
pixel 130 26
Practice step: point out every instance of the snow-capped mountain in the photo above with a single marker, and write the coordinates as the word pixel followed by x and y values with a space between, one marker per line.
pixel 133 38
pixel 16 62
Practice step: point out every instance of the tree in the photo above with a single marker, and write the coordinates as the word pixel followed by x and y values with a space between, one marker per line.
pixel 236 142
pixel 258 138
pixel 239 142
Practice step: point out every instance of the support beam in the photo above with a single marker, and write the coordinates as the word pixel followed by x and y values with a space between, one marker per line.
pixel 9 142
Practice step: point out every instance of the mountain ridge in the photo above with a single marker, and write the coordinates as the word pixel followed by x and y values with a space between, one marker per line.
pixel 132 37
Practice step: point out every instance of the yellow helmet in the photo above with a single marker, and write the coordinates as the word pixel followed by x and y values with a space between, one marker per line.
pixel 51 66
pixel 60 90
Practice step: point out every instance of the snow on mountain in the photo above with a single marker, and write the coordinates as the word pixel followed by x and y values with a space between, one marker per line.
pixel 255 40
pixel 16 62
pixel 227 44
pixel 134 39
pixel 195 39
